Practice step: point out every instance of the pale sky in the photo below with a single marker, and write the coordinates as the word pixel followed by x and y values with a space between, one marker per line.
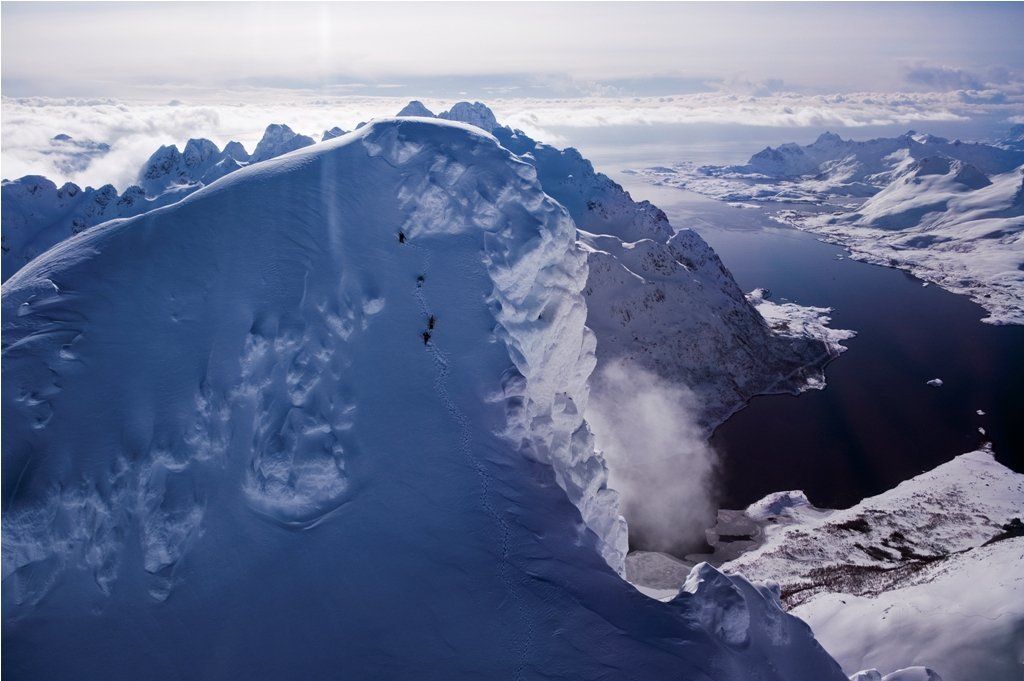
pixel 135 76
pixel 533 49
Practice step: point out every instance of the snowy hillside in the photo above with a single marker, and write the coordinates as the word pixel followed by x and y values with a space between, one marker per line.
pixel 325 416
pixel 951 213
pixel 36 214
pixel 666 302
pixel 831 169
pixel 946 222
pixel 927 573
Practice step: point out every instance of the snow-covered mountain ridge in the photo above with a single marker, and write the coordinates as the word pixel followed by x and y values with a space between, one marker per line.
pixel 666 303
pixel 359 371
pixel 951 213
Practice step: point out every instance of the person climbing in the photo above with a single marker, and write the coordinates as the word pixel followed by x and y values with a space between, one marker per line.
pixel 401 237
pixel 426 337
pixel 419 280
pixel 431 322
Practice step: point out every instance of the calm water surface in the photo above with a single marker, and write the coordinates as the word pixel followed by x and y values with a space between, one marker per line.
pixel 878 422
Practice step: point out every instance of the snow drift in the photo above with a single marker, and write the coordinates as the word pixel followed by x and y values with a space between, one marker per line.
pixel 325 416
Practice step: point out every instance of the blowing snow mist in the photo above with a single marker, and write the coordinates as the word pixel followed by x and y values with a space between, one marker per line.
pixel 658 457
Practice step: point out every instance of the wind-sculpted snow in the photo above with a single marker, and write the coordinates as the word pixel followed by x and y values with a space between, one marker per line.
pixel 662 299
pixel 324 416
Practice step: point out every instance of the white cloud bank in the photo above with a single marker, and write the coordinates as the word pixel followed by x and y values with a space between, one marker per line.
pixel 134 129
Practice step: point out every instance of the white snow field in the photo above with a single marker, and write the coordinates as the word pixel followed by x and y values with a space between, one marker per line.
pixel 658 298
pixel 231 450
pixel 951 213
pixel 926 573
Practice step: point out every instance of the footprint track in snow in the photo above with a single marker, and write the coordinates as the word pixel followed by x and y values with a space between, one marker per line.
pixel 441 364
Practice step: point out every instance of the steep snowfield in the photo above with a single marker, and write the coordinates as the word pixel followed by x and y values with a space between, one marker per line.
pixel 233 450
pixel 951 213
pixel 927 573
pixel 660 299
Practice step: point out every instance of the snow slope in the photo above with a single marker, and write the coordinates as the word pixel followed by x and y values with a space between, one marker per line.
pixel 665 302
pixel 926 573
pixel 36 214
pixel 831 169
pixel 234 451
pixel 948 223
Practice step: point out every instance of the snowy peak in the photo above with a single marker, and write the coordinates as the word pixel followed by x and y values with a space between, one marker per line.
pixel 477 114
pixel 1014 138
pixel 168 167
pixel 200 154
pixel 339 384
pixel 415 108
pixel 278 139
pixel 235 150
pixel 828 139
pixel 331 134
pixel 960 172
pixel 71 155
pixel 163 169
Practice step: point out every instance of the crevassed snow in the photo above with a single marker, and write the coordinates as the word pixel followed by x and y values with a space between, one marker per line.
pixel 241 454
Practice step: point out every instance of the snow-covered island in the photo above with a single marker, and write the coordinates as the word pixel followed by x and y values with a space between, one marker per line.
pixel 950 212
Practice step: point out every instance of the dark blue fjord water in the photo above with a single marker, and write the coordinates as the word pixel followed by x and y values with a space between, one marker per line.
pixel 878 422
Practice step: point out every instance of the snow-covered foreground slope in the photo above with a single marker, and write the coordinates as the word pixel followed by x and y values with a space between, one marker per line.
pixel 927 573
pixel 950 212
pixel 323 417
pixel 658 299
